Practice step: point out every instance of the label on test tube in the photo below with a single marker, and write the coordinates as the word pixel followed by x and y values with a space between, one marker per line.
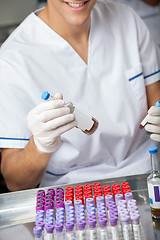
pixel 154 193
pixel 126 232
pixel 137 232
pixel 115 234
pixel 93 234
pixel 84 120
pixel 82 235
pixel 103 234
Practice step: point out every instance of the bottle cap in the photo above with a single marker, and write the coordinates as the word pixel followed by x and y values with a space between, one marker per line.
pixel 45 95
pixel 153 150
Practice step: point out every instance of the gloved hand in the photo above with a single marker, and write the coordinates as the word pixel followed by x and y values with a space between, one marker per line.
pixel 153 124
pixel 47 121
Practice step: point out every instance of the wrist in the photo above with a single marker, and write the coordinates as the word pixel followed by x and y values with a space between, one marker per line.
pixel 44 149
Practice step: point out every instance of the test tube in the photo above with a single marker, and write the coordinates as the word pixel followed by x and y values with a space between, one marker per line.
pixel 49 232
pixel 92 229
pixel 103 228
pixel 125 220
pixel 82 230
pixel 114 227
pixel 136 226
pixel 59 231
pixel 70 231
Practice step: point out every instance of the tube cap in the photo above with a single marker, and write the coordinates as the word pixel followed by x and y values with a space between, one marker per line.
pixel 49 228
pixel 153 150
pixel 69 226
pixel 157 104
pixel 59 227
pixel 45 95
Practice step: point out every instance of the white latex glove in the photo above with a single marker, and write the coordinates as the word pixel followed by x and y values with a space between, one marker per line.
pixel 153 124
pixel 47 121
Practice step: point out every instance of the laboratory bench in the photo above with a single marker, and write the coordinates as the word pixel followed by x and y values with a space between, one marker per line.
pixel 18 209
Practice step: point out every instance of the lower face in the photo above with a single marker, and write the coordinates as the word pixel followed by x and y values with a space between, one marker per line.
pixel 74 12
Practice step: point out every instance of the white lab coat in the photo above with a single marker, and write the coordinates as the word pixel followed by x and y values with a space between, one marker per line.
pixel 150 15
pixel 122 60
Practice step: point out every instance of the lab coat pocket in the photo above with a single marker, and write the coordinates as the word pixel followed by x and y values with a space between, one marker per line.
pixel 136 84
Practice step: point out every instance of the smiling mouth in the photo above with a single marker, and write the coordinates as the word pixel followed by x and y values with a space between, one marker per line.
pixel 76 5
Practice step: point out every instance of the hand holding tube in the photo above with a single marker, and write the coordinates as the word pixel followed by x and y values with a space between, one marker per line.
pixel 47 121
pixel 153 122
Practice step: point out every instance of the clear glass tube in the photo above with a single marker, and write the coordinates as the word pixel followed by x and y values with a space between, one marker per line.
pixel 103 233
pixel 85 122
pixel 70 235
pixel 82 234
pixel 49 236
pixel 115 232
pixel 137 232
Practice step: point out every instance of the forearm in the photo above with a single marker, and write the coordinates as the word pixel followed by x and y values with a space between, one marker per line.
pixel 152 2
pixel 23 169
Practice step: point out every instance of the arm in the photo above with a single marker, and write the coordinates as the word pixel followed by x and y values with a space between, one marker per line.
pixel 152 2
pixel 23 168
pixel 153 93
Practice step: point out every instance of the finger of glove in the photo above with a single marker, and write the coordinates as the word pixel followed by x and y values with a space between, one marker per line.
pixel 153 119
pixel 54 113
pixel 154 111
pixel 58 96
pixel 152 128
pixel 49 105
pixel 155 137
pixel 64 129
pixel 58 122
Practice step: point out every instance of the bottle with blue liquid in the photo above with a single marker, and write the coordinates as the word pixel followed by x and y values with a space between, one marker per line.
pixel 153 182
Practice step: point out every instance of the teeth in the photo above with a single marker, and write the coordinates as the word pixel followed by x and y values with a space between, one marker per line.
pixel 76 5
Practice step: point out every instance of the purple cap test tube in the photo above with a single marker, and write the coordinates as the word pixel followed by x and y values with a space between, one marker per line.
pixel 81 225
pixel 49 228
pixel 37 231
pixel 128 196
